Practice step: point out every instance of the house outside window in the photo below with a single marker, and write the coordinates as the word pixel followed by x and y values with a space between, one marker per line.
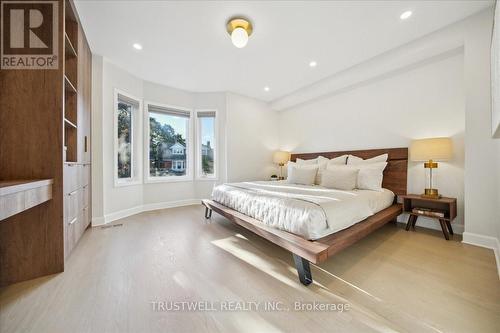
pixel 169 140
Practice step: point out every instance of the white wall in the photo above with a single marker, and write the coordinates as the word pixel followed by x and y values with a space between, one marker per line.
pixel 116 198
pixel 252 137
pixel 253 154
pixel 482 152
pixel 427 101
pixel 495 73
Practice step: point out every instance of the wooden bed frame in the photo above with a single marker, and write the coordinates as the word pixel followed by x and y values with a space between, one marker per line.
pixel 317 251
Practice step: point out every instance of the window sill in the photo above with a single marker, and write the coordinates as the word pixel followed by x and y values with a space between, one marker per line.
pixel 171 179
pixel 124 183
pixel 210 179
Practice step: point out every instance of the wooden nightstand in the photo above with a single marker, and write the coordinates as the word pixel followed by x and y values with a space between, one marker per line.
pixel 429 208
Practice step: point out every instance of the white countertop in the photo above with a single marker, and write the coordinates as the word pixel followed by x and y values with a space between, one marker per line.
pixel 13 186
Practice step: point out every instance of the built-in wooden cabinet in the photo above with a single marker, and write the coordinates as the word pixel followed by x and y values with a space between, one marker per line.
pixel 77 116
pixel 45 134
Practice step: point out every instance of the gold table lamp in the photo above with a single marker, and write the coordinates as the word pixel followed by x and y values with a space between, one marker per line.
pixel 281 158
pixel 431 150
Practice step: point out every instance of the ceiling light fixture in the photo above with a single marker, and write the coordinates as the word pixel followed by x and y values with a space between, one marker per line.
pixel 239 29
pixel 406 15
pixel 313 64
pixel 266 89
pixel 137 46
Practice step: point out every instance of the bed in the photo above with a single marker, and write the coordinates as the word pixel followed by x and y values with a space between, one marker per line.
pixel 313 223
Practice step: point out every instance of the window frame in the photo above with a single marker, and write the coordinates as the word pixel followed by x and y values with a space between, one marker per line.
pixel 135 162
pixel 189 151
pixel 199 173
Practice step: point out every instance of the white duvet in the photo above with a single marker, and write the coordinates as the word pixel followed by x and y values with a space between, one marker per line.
pixel 308 211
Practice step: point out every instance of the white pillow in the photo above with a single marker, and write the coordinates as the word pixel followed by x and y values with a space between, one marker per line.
pixel 304 175
pixel 320 161
pixel 341 160
pixel 354 160
pixel 341 177
pixel 309 162
pixel 370 176
pixel 299 166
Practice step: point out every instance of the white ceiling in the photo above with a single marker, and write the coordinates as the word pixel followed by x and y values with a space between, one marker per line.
pixel 186 46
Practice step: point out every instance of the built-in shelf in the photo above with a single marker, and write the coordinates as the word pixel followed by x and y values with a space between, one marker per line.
pixel 17 196
pixel 69 50
pixel 70 106
pixel 68 85
pixel 69 123
pixel 70 23
pixel 70 142
pixel 71 38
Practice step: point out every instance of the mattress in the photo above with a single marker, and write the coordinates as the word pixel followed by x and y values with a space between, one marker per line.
pixel 311 212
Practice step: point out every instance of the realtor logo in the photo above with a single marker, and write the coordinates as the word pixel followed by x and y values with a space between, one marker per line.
pixel 29 38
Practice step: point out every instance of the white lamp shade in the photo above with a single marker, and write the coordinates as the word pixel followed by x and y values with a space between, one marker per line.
pixel 239 37
pixel 436 149
pixel 281 157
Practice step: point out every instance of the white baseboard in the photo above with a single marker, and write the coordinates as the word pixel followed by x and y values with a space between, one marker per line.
pixel 99 221
pixel 122 214
pixel 170 204
pixel 484 241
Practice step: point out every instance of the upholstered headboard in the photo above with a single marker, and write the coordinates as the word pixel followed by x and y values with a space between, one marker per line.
pixel 395 174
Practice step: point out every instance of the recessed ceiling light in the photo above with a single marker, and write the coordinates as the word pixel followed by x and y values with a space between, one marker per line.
pixel 266 88
pixel 406 15
pixel 313 64
pixel 137 46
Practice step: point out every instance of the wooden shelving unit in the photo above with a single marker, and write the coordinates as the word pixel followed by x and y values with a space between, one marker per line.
pixel 47 116
pixel 70 84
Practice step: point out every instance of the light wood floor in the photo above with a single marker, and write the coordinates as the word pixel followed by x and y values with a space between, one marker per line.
pixel 393 280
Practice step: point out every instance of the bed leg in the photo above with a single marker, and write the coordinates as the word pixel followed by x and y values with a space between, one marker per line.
pixel 303 270
pixel 208 213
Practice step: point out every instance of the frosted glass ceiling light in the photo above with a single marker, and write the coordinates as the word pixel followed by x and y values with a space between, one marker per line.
pixel 239 29
pixel 239 37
